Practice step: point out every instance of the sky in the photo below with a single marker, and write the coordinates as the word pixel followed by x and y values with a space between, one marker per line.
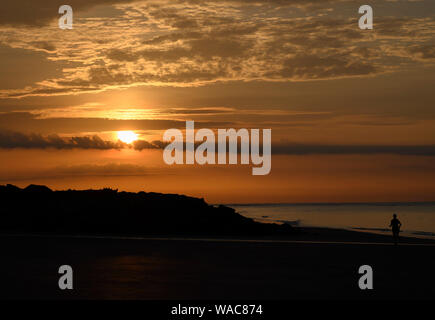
pixel 352 111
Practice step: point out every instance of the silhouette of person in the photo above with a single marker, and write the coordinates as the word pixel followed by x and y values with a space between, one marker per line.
pixel 395 227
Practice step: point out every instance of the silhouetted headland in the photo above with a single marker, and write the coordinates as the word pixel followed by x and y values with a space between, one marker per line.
pixel 38 209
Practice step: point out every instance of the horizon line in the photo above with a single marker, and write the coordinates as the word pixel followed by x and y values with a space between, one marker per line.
pixel 330 203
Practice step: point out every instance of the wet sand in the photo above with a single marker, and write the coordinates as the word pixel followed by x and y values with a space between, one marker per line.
pixel 316 264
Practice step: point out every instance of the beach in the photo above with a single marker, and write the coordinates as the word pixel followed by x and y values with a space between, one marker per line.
pixel 418 219
pixel 316 263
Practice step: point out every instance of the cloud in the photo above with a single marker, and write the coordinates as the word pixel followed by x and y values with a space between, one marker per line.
pixel 12 140
pixel 308 149
pixel 29 13
pixel 424 52
pixel 305 67
pixel 193 43
pixel 32 122
pixel 142 144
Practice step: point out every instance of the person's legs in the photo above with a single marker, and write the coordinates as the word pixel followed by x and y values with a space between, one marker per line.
pixel 395 237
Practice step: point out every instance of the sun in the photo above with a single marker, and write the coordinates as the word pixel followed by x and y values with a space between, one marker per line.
pixel 127 136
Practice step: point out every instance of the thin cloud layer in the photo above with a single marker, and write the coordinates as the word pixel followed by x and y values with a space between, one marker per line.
pixel 32 122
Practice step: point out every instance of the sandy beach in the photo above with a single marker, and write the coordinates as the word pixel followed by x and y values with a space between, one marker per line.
pixel 315 264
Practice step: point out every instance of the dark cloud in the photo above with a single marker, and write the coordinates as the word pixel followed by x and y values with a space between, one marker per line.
pixel 31 13
pixel 28 12
pixel 11 140
pixel 142 144
pixel 45 46
pixel 281 3
pixel 424 51
pixel 312 66
pixel 307 149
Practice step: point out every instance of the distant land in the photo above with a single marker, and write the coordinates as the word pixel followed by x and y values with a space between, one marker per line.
pixel 38 209
pixel 384 203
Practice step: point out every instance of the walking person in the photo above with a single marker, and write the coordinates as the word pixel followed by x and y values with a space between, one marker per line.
pixel 395 227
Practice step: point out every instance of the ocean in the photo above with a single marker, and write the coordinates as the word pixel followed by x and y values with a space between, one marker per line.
pixel 418 219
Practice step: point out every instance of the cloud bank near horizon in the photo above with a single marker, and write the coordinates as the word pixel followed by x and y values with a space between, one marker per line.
pixel 17 140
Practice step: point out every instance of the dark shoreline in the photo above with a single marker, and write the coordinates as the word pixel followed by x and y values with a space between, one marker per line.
pixel 314 234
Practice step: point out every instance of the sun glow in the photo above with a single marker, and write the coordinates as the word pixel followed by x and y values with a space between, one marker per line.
pixel 127 136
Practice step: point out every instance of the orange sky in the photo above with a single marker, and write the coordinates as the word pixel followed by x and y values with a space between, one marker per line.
pixel 351 111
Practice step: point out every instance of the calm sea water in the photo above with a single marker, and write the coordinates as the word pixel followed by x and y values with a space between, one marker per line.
pixel 418 219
